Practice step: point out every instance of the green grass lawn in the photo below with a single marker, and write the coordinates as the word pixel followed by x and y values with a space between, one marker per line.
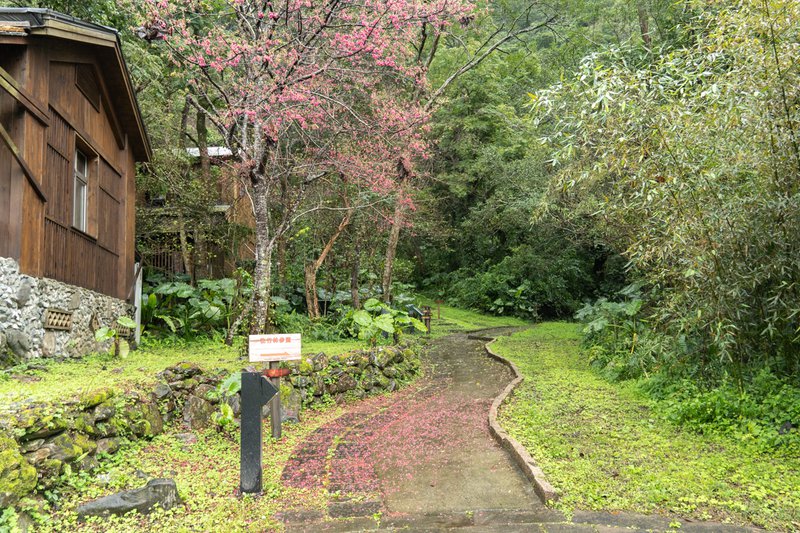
pixel 71 377
pixel 448 320
pixel 603 447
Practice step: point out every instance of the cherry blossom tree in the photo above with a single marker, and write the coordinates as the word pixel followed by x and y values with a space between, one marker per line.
pixel 301 89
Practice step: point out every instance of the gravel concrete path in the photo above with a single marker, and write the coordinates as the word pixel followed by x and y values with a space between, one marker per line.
pixel 422 459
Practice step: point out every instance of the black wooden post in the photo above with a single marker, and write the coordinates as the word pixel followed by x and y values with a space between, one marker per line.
pixel 256 392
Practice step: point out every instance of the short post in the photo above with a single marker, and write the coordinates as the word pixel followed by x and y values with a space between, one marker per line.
pixel 275 406
pixel 426 317
pixel 256 392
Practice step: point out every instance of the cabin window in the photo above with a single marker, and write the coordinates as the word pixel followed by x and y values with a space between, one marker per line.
pixel 81 191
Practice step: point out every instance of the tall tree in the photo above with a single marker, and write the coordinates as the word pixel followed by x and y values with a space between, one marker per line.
pixel 276 80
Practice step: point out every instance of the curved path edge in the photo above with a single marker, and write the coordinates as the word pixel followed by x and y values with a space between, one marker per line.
pixel 530 469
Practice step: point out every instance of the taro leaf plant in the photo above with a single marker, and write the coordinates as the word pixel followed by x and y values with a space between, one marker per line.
pixel 186 310
pixel 121 347
pixel 230 386
pixel 377 318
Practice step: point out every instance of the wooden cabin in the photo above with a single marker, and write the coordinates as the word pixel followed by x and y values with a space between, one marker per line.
pixel 70 136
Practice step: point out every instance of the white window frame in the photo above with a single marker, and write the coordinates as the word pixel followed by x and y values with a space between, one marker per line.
pixel 80 191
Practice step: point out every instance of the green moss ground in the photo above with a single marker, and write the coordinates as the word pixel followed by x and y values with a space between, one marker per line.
pixel 71 377
pixel 603 447
pixel 207 471
pixel 207 475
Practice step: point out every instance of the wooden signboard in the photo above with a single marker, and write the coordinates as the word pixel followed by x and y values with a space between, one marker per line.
pixel 272 348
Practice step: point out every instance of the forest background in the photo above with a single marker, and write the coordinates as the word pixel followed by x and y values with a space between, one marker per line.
pixel 636 162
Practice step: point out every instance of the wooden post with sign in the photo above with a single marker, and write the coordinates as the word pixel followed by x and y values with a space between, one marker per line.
pixel 272 349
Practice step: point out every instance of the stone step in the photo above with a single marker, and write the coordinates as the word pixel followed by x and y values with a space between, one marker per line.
pixel 505 521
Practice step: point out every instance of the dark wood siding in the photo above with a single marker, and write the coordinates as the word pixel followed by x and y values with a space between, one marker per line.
pixel 88 259
pixel 68 105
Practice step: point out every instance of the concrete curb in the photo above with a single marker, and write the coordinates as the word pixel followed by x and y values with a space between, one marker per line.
pixel 535 475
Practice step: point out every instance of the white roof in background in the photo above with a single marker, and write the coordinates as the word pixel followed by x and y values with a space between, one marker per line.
pixel 213 151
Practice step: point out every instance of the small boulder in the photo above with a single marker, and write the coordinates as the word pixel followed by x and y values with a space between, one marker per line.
pixel 162 391
pixel 197 412
pixel 18 343
pixel 186 370
pixel 63 447
pixel 95 398
pixel 290 406
pixel 108 446
pixel 342 382
pixel 104 411
pixel 145 419
pixel 319 361
pixel 203 391
pixel 38 421
pixel 158 492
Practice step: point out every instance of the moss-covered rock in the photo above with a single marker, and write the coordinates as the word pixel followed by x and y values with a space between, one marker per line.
pixel 306 367
pixel 17 476
pixel 85 423
pixel 49 470
pixel 108 446
pixel 385 356
pixel 95 398
pixel 319 361
pixel 148 421
pixel 104 411
pixel 86 444
pixel 63 447
pixel 186 369
pixel 189 384
pixel 38 421
pixel 207 392
pixel 381 381
pixel 197 412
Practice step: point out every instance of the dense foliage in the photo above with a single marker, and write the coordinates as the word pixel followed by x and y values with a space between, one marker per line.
pixel 638 164
pixel 687 163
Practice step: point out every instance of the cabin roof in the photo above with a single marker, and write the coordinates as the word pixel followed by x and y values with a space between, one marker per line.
pixel 38 22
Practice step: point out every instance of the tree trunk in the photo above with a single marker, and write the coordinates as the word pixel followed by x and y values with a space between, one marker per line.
pixel 644 24
pixel 186 253
pixel 391 250
pixel 312 302
pixel 355 267
pixel 201 245
pixel 262 276
pixel 311 269
pixel 282 260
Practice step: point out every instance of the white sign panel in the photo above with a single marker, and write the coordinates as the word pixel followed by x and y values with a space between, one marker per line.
pixel 281 347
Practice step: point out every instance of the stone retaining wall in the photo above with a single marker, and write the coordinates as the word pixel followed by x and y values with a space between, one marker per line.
pixel 39 441
pixel 23 302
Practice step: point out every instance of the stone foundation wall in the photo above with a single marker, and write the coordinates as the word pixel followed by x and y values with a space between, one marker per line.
pixel 23 301
pixel 38 441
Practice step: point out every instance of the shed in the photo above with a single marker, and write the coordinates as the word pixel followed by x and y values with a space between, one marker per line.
pixel 71 134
